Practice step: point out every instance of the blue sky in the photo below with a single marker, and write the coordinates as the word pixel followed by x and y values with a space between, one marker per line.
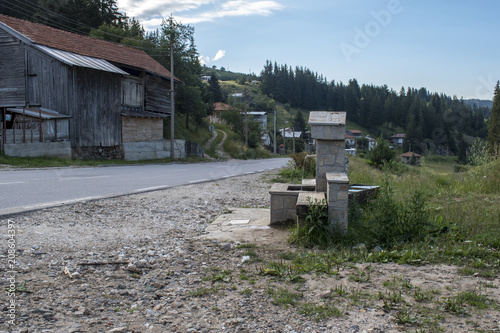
pixel 449 47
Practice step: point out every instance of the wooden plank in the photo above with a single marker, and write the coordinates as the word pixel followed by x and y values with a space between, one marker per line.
pixel 12 83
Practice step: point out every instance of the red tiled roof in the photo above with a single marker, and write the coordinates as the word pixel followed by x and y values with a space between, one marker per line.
pixel 410 154
pixel 355 131
pixel 218 106
pixel 347 136
pixel 84 45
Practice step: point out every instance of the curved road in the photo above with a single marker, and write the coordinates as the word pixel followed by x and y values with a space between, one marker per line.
pixel 31 189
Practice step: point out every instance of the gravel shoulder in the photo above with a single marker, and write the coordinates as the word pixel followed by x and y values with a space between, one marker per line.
pixel 137 264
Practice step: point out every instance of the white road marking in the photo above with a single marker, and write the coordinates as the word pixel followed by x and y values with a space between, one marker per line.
pixel 10 183
pixel 83 177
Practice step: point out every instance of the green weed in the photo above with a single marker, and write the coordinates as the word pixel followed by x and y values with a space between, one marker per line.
pixel 319 312
pixel 283 297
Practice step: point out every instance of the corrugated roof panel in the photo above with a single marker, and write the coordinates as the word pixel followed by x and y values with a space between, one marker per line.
pixel 74 59
pixel 37 112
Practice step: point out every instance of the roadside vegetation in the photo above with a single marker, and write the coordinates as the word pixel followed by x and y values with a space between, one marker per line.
pixel 422 215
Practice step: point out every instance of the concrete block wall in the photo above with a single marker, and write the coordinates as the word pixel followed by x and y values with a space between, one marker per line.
pixel 60 149
pixel 283 203
pixel 134 151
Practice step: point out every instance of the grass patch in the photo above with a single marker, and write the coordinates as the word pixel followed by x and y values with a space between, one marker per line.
pixel 319 312
pixel 283 297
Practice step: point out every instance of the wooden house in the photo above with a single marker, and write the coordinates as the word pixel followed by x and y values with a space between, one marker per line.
pixel 112 96
pixel 397 140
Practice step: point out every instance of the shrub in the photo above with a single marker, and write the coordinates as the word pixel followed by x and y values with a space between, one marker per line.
pixel 381 154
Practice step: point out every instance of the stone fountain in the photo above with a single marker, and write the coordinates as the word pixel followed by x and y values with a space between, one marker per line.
pixel 289 202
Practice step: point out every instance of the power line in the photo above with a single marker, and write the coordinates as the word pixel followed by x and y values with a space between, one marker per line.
pixel 62 26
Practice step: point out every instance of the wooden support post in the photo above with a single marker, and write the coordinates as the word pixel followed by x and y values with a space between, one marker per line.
pixel 24 125
pixel 4 126
pixel 55 121
pixel 41 134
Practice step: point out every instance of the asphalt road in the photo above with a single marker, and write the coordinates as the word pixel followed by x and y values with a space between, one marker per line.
pixel 31 189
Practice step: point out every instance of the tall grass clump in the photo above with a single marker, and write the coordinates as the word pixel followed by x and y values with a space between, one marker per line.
pixel 315 231
pixel 388 222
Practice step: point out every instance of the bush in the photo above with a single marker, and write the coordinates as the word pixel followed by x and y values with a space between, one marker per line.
pixel 381 154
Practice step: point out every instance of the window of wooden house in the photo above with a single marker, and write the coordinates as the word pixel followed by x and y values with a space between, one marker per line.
pixel 132 92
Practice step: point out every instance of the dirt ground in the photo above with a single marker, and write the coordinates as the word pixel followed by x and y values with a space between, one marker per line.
pixel 146 263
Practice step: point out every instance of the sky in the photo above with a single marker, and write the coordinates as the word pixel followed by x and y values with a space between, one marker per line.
pixel 450 47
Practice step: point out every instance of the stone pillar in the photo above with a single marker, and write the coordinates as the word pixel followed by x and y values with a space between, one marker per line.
pixel 328 129
pixel 338 197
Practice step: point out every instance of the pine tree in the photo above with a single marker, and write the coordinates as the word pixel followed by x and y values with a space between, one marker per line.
pixel 215 90
pixel 494 123
pixel 299 123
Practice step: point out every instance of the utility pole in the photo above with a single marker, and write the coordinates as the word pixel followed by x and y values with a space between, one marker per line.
pixel 246 117
pixel 172 99
pixel 284 140
pixel 293 134
pixel 275 133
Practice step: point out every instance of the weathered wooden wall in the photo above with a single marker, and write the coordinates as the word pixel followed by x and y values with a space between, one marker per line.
pixel 12 63
pixel 91 97
pixel 157 95
pixel 137 129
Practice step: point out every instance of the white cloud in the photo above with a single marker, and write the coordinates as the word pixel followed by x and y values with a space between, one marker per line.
pixel 204 60
pixel 145 9
pixel 151 12
pixel 234 8
pixel 220 54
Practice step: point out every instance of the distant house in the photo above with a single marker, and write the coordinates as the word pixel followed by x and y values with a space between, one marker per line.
pixel 290 134
pixel 410 158
pixel 350 151
pixel 218 109
pixel 79 96
pixel 259 117
pixel 206 78
pixel 372 143
pixel 350 141
pixel 266 139
pixel 354 133
pixel 397 140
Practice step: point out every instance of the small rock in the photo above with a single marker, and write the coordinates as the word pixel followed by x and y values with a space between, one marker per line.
pixel 225 246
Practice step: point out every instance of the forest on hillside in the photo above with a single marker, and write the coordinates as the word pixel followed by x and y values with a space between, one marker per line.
pixel 431 121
